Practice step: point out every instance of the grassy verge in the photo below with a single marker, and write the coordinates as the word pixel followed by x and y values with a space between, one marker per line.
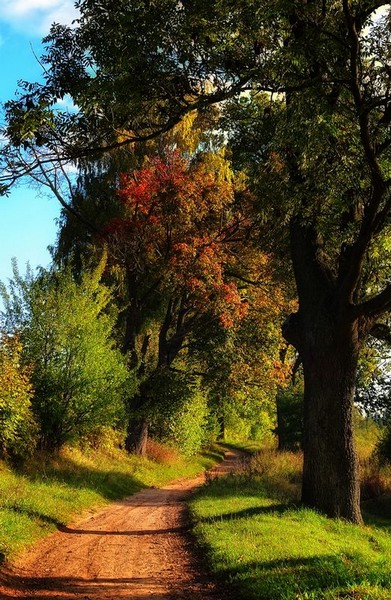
pixel 49 492
pixel 257 538
pixel 247 446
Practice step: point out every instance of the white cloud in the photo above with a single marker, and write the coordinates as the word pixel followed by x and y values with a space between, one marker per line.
pixel 36 16
pixel 66 104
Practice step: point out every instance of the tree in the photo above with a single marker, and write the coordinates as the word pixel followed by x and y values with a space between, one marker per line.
pixel 76 373
pixel 181 242
pixel 240 365
pixel 326 159
pixel 173 242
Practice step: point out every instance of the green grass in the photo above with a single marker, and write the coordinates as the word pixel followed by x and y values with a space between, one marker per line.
pixel 270 549
pixel 51 492
pixel 248 446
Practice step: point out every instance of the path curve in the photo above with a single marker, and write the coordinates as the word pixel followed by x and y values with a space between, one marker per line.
pixel 135 549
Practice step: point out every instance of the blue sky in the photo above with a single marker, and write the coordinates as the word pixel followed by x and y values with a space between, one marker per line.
pixel 27 217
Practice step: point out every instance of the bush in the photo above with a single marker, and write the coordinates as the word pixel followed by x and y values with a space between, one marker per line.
pixel 178 412
pixel 76 372
pixel 17 426
pixel 280 472
pixel 161 453
pixel 290 418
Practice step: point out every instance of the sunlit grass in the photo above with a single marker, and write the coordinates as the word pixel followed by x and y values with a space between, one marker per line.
pixel 258 538
pixel 49 492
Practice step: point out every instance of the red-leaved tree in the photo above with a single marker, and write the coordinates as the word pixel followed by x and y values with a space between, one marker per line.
pixel 183 227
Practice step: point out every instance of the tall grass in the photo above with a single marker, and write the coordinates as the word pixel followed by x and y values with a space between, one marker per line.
pixel 49 492
pixel 269 548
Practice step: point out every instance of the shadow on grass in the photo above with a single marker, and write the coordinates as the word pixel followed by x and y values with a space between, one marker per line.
pixel 36 514
pixel 377 512
pixel 109 484
pixel 238 484
pixel 289 578
pixel 343 575
pixel 249 513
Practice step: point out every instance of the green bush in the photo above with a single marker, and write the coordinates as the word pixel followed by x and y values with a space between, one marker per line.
pixel 76 372
pixel 179 411
pixel 17 425
pixel 290 418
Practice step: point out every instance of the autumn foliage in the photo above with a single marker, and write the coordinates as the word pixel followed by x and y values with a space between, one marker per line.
pixel 179 228
pixel 17 426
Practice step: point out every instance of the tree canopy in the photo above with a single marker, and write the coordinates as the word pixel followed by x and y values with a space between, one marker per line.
pixel 303 89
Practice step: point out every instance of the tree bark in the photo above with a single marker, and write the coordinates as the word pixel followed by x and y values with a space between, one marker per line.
pixel 137 436
pixel 137 429
pixel 328 336
pixel 221 423
pixel 330 472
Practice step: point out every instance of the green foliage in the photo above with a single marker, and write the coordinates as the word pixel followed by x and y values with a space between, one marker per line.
pixel 76 372
pixel 384 444
pixel 179 411
pixel 247 414
pixel 290 417
pixel 17 426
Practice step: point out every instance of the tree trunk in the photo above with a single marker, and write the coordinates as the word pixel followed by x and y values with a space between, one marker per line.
pixel 221 423
pixel 330 473
pixel 137 436
pixel 328 336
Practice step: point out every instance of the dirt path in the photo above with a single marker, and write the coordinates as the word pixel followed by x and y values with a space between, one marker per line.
pixel 136 549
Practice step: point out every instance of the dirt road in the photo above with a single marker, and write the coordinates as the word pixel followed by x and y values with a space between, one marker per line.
pixel 136 549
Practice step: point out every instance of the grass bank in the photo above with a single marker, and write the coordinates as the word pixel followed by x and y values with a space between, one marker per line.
pixel 268 548
pixel 49 492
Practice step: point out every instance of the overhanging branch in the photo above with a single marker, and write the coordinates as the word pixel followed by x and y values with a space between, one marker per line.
pixel 375 306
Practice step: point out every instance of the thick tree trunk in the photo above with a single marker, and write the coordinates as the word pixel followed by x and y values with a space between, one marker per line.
pixel 330 473
pixel 137 437
pixel 327 334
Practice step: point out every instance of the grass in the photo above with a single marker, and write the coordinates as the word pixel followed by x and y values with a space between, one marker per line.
pixel 50 492
pixel 268 548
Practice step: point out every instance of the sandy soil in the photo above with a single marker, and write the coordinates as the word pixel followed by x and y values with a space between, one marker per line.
pixel 134 549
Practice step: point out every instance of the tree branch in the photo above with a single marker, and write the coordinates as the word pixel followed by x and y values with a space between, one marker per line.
pixel 381 332
pixel 375 306
pixel 372 218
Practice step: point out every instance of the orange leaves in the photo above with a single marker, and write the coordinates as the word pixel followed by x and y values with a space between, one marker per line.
pixel 175 187
pixel 142 192
pixel 176 215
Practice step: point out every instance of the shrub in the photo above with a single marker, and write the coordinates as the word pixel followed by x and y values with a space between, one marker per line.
pixel 17 425
pixel 179 411
pixel 65 329
pixel 161 453
pixel 280 472
pixel 290 418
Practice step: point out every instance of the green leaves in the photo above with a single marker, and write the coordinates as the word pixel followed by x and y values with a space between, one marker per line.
pixel 77 374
